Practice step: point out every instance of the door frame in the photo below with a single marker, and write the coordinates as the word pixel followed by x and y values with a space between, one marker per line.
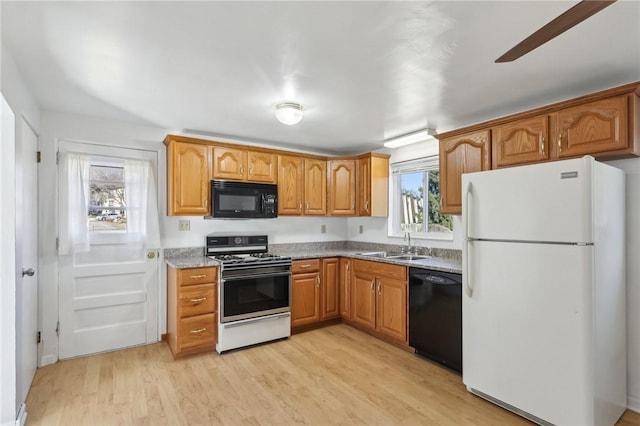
pixel 7 266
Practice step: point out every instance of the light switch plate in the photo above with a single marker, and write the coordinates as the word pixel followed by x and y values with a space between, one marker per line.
pixel 184 225
pixel 323 229
pixel 361 229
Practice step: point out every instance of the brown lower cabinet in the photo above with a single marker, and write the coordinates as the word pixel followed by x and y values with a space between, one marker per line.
pixel 192 306
pixel 379 298
pixel 345 287
pixel 314 291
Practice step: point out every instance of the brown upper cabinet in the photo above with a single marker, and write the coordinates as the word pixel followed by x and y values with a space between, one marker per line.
pixel 592 128
pixel 342 187
pixel 605 125
pixel 461 154
pixel 241 164
pixel 263 167
pixel 523 141
pixel 315 187
pixel 290 184
pixel 301 186
pixel 188 176
pixel 229 163
pixel 373 185
pixel 355 185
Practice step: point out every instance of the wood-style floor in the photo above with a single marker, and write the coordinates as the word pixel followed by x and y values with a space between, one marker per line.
pixel 335 375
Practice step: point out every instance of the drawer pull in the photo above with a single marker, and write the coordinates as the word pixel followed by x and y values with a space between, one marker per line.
pixel 305 266
pixel 198 331
pixel 198 300
pixel 199 276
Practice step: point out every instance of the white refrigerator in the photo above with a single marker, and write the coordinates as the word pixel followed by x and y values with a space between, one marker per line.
pixel 544 290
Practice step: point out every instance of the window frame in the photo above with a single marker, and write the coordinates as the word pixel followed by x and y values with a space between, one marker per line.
pixel 98 150
pixel 424 165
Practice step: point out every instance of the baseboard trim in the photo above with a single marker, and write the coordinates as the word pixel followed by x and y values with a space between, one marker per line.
pixel 47 359
pixel 633 403
pixel 163 337
pixel 22 415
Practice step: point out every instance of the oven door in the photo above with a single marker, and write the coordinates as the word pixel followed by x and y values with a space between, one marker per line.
pixel 254 293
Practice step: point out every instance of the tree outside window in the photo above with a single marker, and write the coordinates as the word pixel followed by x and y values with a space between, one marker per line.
pixel 414 212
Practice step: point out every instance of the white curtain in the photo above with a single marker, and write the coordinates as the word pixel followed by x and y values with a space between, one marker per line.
pixel 142 204
pixel 74 203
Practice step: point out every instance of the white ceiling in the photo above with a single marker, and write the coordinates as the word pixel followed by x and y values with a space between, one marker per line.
pixel 364 71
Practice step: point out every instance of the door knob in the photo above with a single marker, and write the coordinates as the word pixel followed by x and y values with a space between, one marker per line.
pixel 29 272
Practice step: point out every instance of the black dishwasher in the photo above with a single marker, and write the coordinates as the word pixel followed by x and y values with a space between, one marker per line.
pixel 435 316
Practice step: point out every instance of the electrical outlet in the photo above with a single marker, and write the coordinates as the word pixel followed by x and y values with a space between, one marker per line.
pixel 361 229
pixel 323 229
pixel 184 225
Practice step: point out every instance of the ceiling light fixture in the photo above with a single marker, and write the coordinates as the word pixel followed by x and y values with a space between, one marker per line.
pixel 413 137
pixel 289 113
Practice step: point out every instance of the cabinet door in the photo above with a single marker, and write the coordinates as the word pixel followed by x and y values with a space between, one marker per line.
pixel 364 186
pixel 188 179
pixel 461 154
pixel 290 185
pixel 592 128
pixel 345 288
pixel 364 300
pixel 315 187
pixel 305 299
pixel 330 306
pixel 342 187
pixel 391 316
pixel 229 163
pixel 262 167
pixel 521 142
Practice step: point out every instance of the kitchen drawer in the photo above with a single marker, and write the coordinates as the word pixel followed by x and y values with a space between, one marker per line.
pixel 192 276
pixel 200 331
pixel 398 272
pixel 197 300
pixel 306 265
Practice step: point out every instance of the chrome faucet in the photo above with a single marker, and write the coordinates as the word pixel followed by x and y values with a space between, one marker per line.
pixel 407 238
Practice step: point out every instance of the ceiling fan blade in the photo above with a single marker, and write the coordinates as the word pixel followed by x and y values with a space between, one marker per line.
pixel 562 23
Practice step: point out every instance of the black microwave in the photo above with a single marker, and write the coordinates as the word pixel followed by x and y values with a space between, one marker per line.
pixel 243 200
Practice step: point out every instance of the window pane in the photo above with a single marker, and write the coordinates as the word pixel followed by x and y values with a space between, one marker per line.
pixel 437 222
pixel 107 210
pixel 412 203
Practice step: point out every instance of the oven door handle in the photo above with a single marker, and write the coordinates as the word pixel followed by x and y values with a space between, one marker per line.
pixel 265 275
pixel 254 320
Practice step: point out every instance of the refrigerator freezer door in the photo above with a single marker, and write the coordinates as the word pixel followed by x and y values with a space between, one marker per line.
pixel 541 202
pixel 527 338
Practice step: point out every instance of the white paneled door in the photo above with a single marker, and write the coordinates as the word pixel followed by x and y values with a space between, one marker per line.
pixel 108 295
pixel 26 261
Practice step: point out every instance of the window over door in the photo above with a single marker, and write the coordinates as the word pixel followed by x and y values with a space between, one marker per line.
pixel 415 193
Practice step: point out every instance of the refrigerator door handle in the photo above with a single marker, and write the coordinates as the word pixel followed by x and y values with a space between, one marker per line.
pixel 468 289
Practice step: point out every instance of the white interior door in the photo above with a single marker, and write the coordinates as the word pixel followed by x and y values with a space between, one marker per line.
pixel 26 261
pixel 108 297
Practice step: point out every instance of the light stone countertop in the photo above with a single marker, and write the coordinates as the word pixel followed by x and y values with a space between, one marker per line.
pixel 431 263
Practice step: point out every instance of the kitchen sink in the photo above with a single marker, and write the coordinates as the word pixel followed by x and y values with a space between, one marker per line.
pixel 393 255
pixel 374 254
pixel 407 257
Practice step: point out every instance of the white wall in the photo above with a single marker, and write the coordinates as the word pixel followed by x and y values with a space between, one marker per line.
pixel 24 107
pixel 377 229
pixel 632 170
